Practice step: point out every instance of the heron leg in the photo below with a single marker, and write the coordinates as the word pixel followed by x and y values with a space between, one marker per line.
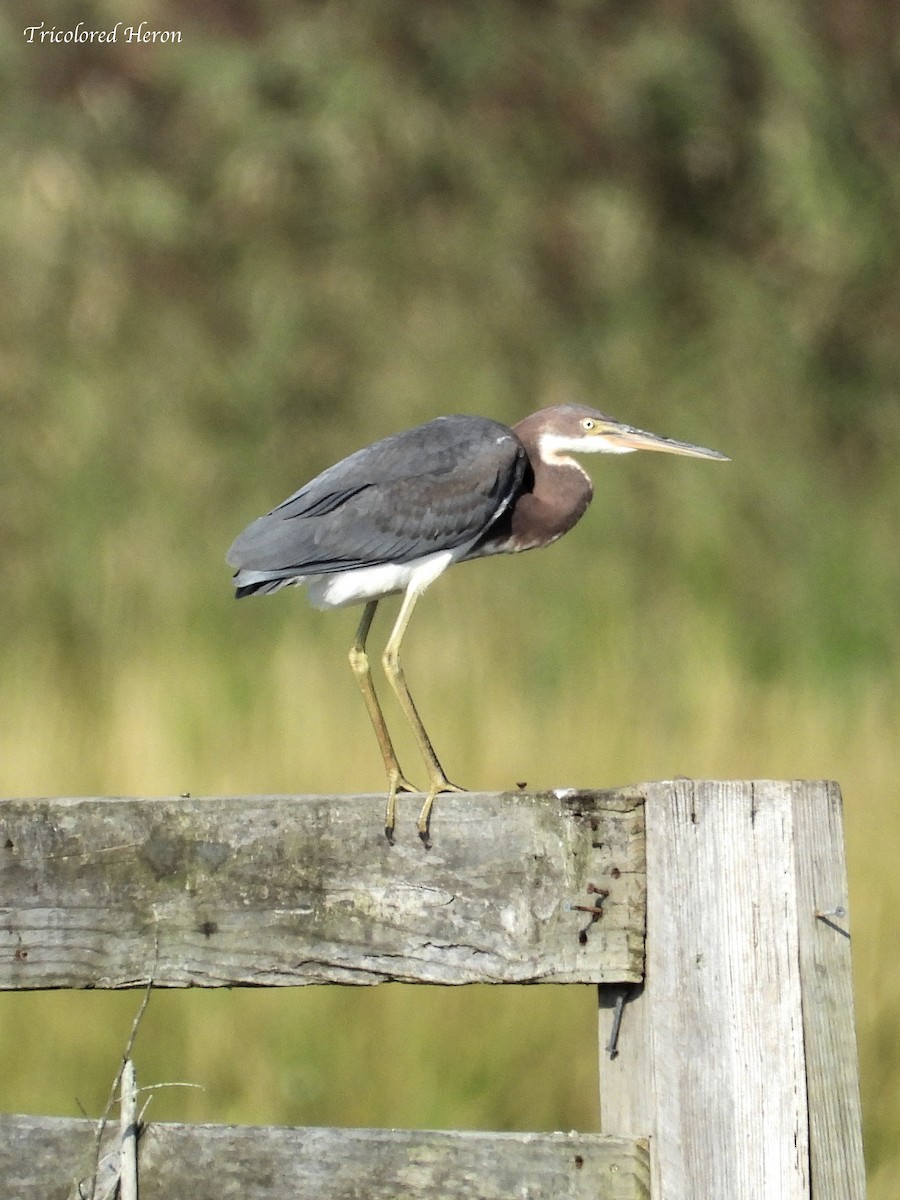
pixel 359 662
pixel 437 780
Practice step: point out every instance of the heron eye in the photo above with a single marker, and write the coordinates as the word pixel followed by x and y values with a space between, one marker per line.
pixel 587 423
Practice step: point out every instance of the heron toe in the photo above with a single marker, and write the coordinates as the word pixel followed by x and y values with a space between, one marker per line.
pixel 438 784
pixel 397 782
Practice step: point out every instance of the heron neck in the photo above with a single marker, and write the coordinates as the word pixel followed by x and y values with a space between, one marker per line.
pixel 562 492
pixel 551 501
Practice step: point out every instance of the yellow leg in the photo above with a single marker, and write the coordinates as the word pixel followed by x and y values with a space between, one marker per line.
pixel 359 661
pixel 437 780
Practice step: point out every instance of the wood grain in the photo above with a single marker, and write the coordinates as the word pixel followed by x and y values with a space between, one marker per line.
pixel 829 1029
pixel 286 890
pixel 46 1156
pixel 737 1055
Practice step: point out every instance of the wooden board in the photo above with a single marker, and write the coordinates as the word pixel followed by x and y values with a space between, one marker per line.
pixel 737 1055
pixel 286 890
pixel 45 1156
pixel 837 1166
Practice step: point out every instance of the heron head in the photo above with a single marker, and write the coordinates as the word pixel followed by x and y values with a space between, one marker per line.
pixel 574 428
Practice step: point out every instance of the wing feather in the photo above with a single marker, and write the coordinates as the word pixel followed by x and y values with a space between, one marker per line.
pixel 434 488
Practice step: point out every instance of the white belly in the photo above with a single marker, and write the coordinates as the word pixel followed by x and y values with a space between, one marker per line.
pixel 341 588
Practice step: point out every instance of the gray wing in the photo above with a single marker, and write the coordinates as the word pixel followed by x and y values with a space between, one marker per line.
pixel 437 487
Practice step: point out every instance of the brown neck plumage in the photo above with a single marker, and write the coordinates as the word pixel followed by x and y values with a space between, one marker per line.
pixel 560 495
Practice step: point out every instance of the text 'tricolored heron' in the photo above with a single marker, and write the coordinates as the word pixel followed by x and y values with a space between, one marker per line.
pixel 394 516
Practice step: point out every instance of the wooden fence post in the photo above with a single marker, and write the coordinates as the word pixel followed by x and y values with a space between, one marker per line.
pixel 737 1055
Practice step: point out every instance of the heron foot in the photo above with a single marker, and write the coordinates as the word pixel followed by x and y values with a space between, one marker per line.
pixel 396 783
pixel 439 783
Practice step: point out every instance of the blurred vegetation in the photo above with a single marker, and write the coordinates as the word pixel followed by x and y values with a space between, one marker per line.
pixel 230 261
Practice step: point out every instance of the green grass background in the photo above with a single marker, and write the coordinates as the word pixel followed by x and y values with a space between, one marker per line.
pixel 230 261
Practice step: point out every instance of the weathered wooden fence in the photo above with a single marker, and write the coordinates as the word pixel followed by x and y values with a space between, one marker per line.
pixel 712 917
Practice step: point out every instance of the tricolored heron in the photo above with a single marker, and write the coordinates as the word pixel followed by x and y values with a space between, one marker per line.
pixel 394 516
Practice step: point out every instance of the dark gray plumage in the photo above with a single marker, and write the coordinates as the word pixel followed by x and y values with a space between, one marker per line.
pixel 440 486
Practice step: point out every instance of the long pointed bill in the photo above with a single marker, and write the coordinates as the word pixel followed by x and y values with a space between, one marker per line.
pixel 626 437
